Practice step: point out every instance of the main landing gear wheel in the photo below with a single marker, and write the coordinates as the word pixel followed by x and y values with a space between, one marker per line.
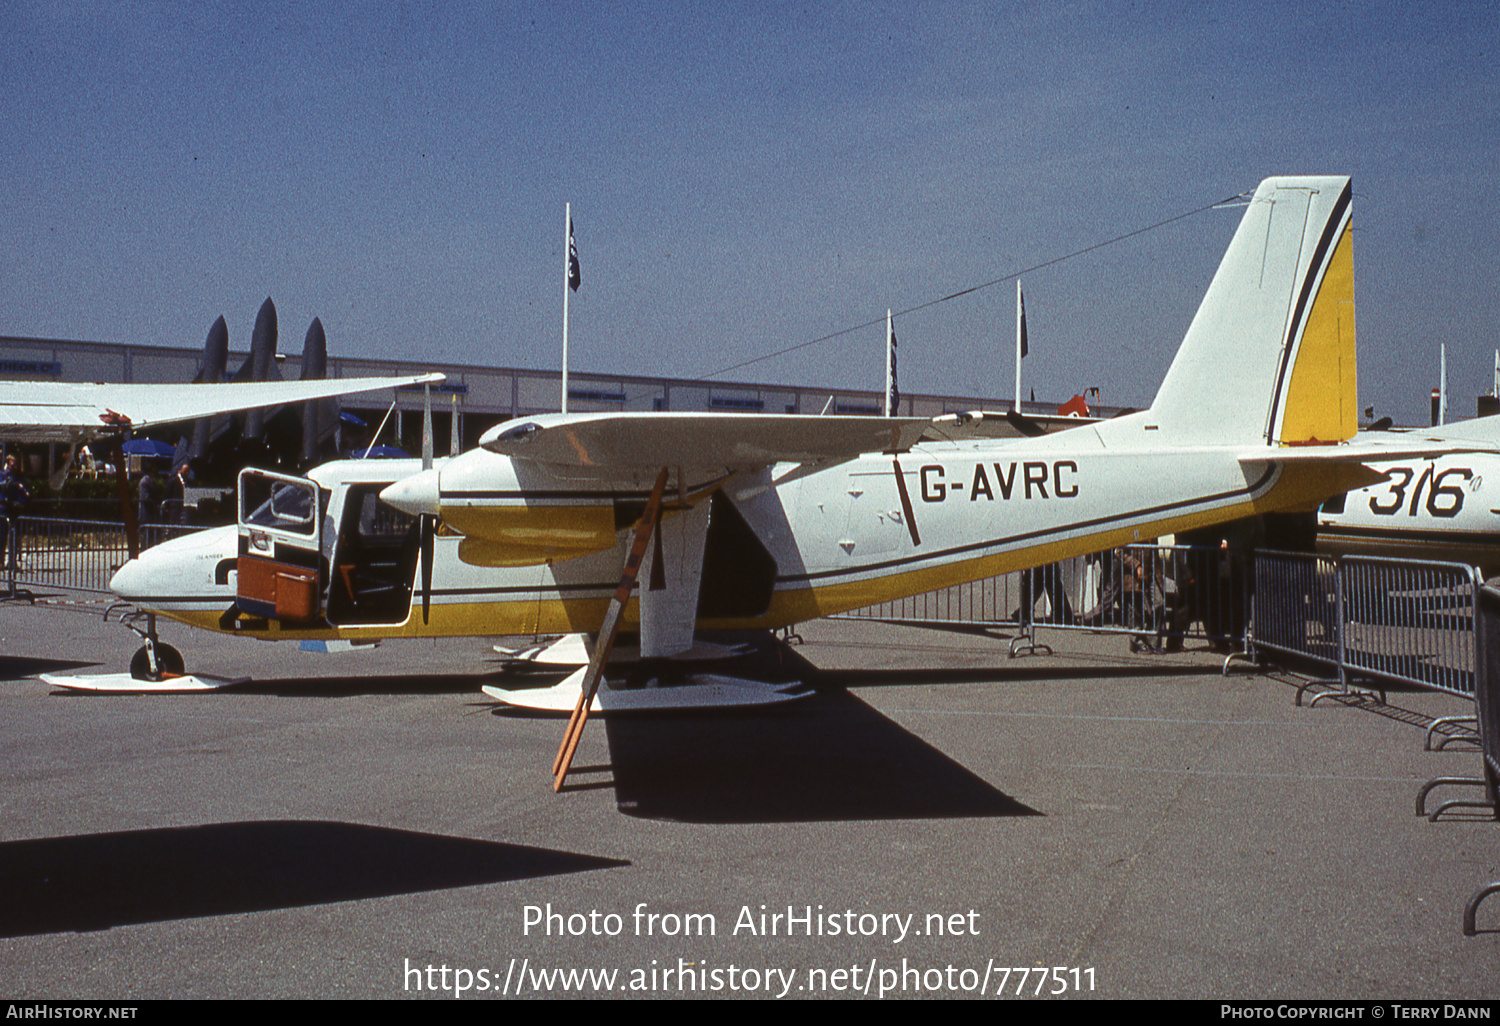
pixel 169 663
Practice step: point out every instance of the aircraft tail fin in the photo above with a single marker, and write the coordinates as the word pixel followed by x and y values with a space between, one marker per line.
pixel 1269 356
pixel 215 360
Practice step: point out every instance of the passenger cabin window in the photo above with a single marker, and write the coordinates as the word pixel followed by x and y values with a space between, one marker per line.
pixel 379 521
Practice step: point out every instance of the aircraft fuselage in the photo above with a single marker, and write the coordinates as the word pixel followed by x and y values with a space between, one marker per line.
pixel 784 544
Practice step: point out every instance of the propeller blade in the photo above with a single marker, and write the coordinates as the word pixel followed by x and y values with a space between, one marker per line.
pixel 426 427
pixel 428 529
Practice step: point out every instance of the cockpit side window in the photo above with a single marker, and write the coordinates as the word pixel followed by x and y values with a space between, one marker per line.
pixel 283 505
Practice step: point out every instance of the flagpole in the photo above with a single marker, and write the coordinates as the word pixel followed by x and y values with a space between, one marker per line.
pixel 567 271
pixel 1020 331
pixel 1443 384
pixel 889 334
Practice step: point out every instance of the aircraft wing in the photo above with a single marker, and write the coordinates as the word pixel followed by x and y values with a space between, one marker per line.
pixel 48 411
pixel 651 440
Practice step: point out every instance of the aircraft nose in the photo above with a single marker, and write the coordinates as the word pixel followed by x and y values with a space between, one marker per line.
pixel 130 579
pixel 416 494
pixel 153 573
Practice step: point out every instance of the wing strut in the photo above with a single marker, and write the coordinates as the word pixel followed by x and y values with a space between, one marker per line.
pixel 127 504
pixel 426 522
pixel 644 528
pixel 906 510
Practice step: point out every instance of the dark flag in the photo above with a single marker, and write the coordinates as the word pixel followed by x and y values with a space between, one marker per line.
pixel 575 277
pixel 1021 321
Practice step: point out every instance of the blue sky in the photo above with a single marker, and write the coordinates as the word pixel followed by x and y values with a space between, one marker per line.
pixel 744 178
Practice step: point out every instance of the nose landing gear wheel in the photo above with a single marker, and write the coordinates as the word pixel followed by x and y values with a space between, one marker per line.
pixel 169 663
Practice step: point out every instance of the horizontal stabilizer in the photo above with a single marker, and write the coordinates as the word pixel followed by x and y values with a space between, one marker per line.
pixel 1317 471
pixel 1482 432
pixel 1381 447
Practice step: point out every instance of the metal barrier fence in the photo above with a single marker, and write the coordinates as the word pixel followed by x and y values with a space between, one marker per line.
pixel 1157 593
pixel 1412 622
pixel 1296 610
pixel 991 600
pixel 1365 616
pixel 1487 698
pixel 78 555
pixel 1487 695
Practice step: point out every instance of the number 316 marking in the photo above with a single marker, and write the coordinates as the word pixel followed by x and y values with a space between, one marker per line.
pixel 1443 500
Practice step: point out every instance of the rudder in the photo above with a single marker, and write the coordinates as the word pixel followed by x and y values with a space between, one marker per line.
pixel 1270 354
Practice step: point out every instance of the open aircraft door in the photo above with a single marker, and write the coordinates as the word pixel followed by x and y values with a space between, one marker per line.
pixel 280 566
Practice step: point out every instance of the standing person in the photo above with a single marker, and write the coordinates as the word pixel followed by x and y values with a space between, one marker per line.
pixel 13 498
pixel 149 493
pixel 1226 578
pixel 1187 564
pixel 175 509
pixel 1127 597
pixel 1046 581
pixel 1142 603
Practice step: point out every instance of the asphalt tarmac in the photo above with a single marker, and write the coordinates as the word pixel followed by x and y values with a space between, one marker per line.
pixel 938 820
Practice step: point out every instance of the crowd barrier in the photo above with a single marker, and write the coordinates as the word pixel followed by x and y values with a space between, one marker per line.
pixel 77 555
pixel 1158 594
pixel 1367 618
pixel 1487 701
pixel 1355 618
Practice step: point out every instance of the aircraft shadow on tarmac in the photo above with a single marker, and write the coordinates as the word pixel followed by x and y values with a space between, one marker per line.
pixel 350 687
pixel 830 757
pixel 21 667
pixel 97 881
pixel 997 675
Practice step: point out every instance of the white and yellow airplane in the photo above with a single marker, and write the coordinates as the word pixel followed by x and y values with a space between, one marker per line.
pixel 769 520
